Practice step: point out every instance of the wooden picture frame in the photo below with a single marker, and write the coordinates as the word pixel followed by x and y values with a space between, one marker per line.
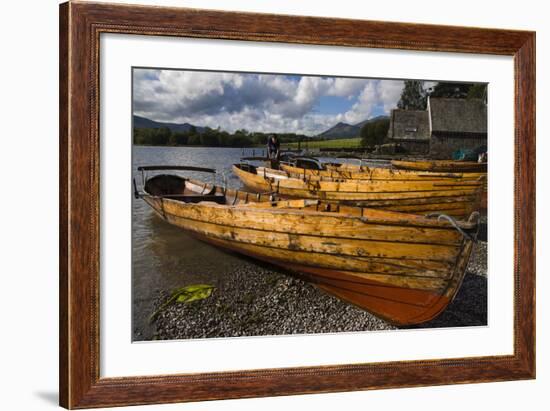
pixel 80 27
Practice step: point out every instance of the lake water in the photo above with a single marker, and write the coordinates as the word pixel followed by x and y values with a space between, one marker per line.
pixel 164 257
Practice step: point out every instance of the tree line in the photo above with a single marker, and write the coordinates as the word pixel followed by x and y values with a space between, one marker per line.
pixel 415 97
pixel 209 137
pixel 374 132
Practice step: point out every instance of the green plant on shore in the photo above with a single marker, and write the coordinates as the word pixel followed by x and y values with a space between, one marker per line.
pixel 185 295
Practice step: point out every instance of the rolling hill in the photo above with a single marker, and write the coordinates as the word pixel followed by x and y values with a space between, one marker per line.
pixel 344 130
pixel 370 120
pixel 142 122
pixel 340 130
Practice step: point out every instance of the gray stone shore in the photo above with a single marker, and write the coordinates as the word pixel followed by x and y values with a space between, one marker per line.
pixel 258 300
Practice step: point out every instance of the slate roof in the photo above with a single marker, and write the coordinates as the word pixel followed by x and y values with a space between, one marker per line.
pixel 457 115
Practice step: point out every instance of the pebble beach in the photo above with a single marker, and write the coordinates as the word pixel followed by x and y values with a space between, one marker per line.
pixel 258 300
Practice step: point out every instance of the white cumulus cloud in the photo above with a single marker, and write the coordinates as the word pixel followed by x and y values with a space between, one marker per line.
pixel 257 102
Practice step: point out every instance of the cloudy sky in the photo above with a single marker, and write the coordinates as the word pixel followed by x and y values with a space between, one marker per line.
pixel 260 102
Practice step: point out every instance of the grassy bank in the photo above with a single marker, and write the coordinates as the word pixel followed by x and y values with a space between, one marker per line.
pixel 340 143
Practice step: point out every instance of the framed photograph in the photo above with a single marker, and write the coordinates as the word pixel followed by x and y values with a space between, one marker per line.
pixel 258 205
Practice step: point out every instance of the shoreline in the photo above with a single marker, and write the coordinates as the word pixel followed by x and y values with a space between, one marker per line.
pixel 259 300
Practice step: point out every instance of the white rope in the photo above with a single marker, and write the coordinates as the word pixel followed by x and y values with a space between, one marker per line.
pixel 452 221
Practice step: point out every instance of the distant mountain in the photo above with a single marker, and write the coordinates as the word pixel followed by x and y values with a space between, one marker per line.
pixel 370 120
pixel 340 130
pixel 344 130
pixel 142 122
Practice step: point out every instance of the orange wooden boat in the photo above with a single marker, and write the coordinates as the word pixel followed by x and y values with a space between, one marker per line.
pixel 378 173
pixel 363 172
pixel 454 197
pixel 441 165
pixel 404 268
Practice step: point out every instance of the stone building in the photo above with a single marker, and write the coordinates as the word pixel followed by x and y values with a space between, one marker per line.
pixel 455 124
pixel 447 125
pixel 411 130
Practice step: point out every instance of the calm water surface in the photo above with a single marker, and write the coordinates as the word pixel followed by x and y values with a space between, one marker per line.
pixel 164 257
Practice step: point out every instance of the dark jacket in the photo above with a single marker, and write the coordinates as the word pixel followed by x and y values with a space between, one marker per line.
pixel 273 147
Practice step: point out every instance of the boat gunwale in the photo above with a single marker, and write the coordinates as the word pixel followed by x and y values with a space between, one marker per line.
pixel 396 218
pixel 370 173
pixel 440 165
pixel 425 223
pixel 455 244
pixel 456 182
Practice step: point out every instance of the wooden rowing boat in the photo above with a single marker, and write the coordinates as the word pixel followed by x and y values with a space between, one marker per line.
pixel 457 198
pixel 401 267
pixel 378 173
pixel 441 165
pixel 363 172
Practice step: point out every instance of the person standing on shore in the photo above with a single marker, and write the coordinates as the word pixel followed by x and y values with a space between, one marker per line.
pixel 273 150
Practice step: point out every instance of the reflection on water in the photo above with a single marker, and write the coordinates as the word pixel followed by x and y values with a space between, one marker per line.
pixel 163 256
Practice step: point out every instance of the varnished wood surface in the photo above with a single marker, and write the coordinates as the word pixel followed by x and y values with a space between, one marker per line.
pixel 380 173
pixel 354 172
pixel 441 165
pixel 80 27
pixel 454 197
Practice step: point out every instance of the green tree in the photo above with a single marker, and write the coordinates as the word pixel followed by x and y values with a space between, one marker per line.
pixel 242 132
pixel 180 138
pixel 223 138
pixel 194 140
pixel 366 135
pixel 450 90
pixel 142 136
pixel 413 96
pixel 209 139
pixel 381 128
pixel 374 132
pixel 478 91
pixel 161 136
pixel 259 139
pixel 241 140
